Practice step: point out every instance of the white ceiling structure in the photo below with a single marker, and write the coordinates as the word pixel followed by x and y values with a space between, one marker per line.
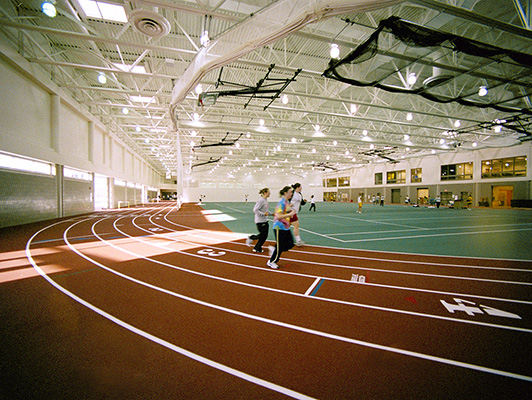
pixel 261 65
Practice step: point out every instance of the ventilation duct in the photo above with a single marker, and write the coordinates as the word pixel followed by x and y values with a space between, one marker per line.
pixel 149 23
pixel 280 19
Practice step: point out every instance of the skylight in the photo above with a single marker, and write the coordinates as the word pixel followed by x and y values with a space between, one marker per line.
pixel 107 11
pixel 143 99
pixel 138 69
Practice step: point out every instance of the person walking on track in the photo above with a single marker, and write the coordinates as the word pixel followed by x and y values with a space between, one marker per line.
pixel 261 210
pixel 312 204
pixel 281 227
pixel 296 203
pixel 359 201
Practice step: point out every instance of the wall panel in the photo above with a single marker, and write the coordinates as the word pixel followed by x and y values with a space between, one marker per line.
pixel 26 197
pixel 77 197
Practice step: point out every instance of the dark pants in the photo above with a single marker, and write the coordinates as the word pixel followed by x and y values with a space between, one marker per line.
pixel 312 207
pixel 284 241
pixel 263 228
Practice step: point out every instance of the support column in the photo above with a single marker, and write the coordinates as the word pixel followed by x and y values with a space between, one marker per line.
pixel 59 189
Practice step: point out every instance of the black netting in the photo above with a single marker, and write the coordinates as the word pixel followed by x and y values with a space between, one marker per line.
pixel 415 35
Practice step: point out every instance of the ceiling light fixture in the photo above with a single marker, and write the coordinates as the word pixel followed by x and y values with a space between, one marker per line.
pixel 284 99
pixel 353 108
pixel 102 78
pixel 482 91
pixel 199 89
pixel 125 111
pixel 261 122
pixel 457 123
pixel 365 132
pixel 48 8
pixel 204 39
pixel 409 117
pixel 412 78
pixel 335 51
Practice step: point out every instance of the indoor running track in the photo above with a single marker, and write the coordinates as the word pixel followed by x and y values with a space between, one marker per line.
pixel 159 303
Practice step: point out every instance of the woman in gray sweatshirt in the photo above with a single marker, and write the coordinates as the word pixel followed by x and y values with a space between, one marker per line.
pixel 261 211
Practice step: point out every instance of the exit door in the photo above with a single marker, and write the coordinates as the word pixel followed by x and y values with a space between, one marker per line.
pixel 396 196
pixel 502 196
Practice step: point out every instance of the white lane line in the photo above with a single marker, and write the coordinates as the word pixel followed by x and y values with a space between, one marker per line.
pixel 311 288
pixel 299 328
pixel 162 342
pixel 137 255
pixel 351 267
pixel 372 269
pixel 377 222
pixel 454 228
pixel 436 235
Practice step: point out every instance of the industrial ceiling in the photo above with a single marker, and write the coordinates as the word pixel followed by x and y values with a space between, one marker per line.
pixel 412 78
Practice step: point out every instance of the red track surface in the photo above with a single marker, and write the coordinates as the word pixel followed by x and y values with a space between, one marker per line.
pixel 154 303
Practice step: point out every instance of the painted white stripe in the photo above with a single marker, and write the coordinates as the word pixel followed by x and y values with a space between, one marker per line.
pixel 155 339
pixel 331 279
pixel 311 288
pixel 349 267
pixel 295 327
pixel 451 228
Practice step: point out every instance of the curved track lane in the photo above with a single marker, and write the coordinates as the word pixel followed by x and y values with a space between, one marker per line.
pixel 329 324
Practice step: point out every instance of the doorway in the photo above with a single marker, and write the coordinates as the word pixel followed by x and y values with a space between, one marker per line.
pixel 101 192
pixel 422 196
pixel 396 196
pixel 502 196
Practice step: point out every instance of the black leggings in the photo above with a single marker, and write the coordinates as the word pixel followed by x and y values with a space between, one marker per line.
pixel 284 241
pixel 263 228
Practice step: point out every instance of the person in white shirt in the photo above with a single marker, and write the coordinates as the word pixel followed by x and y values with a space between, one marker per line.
pixel 359 201
pixel 295 204
pixel 312 204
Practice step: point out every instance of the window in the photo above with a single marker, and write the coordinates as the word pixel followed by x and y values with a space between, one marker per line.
pixel 396 177
pixel 504 167
pixel 330 196
pixel 100 9
pixel 76 174
pixel 331 182
pixel 415 175
pixel 457 171
pixel 343 181
pixel 378 178
pixel 25 164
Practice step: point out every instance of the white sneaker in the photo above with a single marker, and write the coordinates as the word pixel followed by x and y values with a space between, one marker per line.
pixel 249 242
pixel 271 264
pixel 271 249
pixel 300 243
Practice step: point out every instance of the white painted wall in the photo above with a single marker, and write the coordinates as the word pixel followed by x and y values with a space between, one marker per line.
pixel 226 189
pixel 39 120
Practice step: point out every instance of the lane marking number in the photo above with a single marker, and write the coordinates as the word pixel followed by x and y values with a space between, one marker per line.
pixel 461 305
pixel 211 252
